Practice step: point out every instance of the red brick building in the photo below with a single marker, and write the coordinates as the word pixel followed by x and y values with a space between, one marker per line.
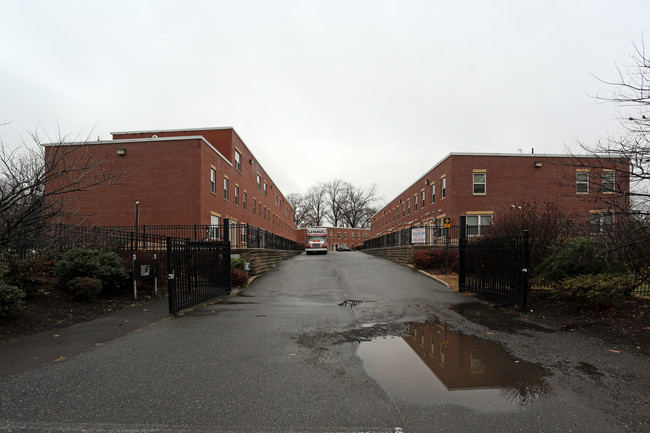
pixel 481 185
pixel 179 177
pixel 339 236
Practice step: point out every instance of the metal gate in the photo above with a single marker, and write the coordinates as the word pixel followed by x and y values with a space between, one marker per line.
pixel 197 272
pixel 496 268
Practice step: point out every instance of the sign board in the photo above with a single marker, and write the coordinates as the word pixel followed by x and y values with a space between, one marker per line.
pixel 317 231
pixel 418 235
pixel 446 222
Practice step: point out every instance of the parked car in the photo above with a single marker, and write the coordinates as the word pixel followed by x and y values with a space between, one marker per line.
pixel 343 248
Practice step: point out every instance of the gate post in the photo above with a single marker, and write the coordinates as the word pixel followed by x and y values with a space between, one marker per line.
pixel 523 289
pixel 226 229
pixel 462 254
pixel 171 278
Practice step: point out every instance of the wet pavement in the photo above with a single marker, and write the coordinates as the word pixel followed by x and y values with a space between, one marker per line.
pixel 337 343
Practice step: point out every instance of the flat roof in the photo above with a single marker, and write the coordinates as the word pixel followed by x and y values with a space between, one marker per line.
pixel 213 128
pixel 140 140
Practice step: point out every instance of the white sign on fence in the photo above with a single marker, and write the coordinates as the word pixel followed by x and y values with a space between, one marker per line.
pixel 418 235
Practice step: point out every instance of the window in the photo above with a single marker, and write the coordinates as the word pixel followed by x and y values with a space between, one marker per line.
pixel 338 235
pixel 443 193
pixel 608 181
pixel 345 236
pixel 213 230
pixel 403 209
pixel 259 181
pixel 276 199
pixel 475 222
pixel 423 199
pixel 237 160
pixel 213 181
pixel 415 202
pixel 433 193
pixel 260 209
pixel 265 189
pixel 245 201
pixel 236 195
pixel 582 182
pixel 601 222
pixel 408 206
pixel 254 206
pixel 242 234
pixel 225 188
pixel 479 183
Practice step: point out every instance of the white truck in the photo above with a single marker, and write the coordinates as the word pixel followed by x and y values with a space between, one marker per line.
pixel 316 240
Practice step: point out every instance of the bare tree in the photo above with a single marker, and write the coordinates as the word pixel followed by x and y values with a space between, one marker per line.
pixel 336 192
pixel 315 197
pixel 301 209
pixel 34 183
pixel 359 205
pixel 631 93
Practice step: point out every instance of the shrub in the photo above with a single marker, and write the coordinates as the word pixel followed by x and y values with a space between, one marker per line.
pixel 80 262
pixel 84 288
pixel 577 256
pixel 238 278
pixel 32 274
pixel 599 289
pixel 237 263
pixel 435 260
pixel 428 259
pixel 11 299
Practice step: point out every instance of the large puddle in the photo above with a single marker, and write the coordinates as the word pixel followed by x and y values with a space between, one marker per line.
pixel 434 365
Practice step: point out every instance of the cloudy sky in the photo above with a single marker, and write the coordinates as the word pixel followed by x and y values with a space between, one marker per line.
pixel 367 91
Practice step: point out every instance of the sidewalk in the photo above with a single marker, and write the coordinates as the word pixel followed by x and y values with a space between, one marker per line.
pixel 32 351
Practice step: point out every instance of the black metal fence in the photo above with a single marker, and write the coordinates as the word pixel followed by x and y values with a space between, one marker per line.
pixel 433 235
pixel 240 235
pixel 494 267
pixel 198 272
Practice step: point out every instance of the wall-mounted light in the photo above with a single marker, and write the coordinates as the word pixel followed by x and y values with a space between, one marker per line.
pixel 538 164
pixel 121 151
pixel 251 161
pixel 426 182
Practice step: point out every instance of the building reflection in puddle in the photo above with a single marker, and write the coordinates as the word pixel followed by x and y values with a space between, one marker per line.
pixel 434 365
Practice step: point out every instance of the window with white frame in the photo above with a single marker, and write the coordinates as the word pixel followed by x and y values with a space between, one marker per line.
pixel 479 181
pixel 433 193
pixel 423 199
pixel 259 181
pixel 215 225
pixel 608 181
pixel 265 189
pixel 236 195
pixel 476 222
pixel 225 188
pixel 213 181
pixel 245 200
pixel 443 192
pixel 237 160
pixel 582 182
pixel 408 206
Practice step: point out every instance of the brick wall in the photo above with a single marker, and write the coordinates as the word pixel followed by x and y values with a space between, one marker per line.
pixel 169 173
pixel 510 180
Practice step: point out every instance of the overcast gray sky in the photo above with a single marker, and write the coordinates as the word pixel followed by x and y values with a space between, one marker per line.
pixel 366 91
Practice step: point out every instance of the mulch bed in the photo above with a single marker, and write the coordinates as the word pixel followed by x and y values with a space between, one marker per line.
pixel 624 326
pixel 55 310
